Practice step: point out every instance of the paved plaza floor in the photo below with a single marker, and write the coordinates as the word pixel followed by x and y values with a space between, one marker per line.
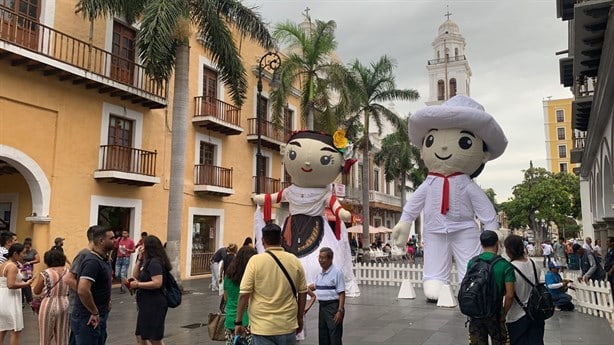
pixel 376 317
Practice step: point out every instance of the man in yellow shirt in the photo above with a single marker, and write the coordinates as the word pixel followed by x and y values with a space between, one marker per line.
pixel 276 297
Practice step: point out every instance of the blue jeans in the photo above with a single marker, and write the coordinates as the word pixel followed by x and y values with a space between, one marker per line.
pixel 121 269
pixel 83 334
pixel 283 339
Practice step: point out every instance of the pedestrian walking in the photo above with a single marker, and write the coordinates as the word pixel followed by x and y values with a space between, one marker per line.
pixel 232 281
pixel 53 315
pixel 11 283
pixel 124 247
pixel 217 258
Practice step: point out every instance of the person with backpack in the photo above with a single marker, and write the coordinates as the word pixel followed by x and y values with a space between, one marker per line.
pixel 487 292
pixel 521 328
pixel 590 267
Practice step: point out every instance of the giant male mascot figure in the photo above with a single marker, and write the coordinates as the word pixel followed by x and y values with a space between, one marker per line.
pixel 457 138
pixel 313 160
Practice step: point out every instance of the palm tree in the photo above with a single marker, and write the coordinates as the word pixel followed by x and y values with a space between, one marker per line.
pixel 308 64
pixel 364 91
pixel 400 158
pixel 163 45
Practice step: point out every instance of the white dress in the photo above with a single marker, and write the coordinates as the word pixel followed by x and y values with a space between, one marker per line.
pixel 11 312
pixel 312 202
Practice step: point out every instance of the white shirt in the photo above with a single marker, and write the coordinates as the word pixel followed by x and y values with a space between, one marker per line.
pixel 522 288
pixel 547 249
pixel 467 200
pixel 587 247
pixel 308 201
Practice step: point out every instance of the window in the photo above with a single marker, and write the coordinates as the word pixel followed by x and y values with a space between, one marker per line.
pixel 441 89
pixel 23 29
pixel 122 61
pixel 288 119
pixel 456 53
pixel 560 115
pixel 207 153
pixel 209 103
pixel 120 131
pixel 562 151
pixel 560 133
pixel 438 55
pixel 376 180
pixel 563 167
pixel 264 107
pixel 452 87
pixel 264 166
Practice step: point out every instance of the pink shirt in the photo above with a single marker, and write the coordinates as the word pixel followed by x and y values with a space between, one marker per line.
pixel 125 247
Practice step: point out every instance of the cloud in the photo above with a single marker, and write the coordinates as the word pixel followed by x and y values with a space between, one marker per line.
pixel 511 49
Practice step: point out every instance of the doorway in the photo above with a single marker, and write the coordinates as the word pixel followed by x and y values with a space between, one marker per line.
pixel 204 239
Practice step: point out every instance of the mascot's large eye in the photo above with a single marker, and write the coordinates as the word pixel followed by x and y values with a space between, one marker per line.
pixel 325 160
pixel 465 143
pixel 428 142
pixel 292 155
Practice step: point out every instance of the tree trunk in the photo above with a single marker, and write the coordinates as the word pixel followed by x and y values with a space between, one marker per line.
pixel 310 117
pixel 174 229
pixel 365 191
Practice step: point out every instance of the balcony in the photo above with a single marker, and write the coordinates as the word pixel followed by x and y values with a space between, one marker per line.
pixel 579 140
pixel 216 115
pixel 127 165
pixel 37 47
pixel 267 185
pixel 271 137
pixel 383 200
pixel 213 180
pixel 450 59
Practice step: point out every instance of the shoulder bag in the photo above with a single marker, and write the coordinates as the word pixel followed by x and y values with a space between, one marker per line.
pixel 283 269
pixel 36 302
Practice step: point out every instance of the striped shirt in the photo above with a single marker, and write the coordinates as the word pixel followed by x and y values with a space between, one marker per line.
pixel 329 284
pixel 3 251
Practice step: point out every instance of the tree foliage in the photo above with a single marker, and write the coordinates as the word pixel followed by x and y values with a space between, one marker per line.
pixel 543 195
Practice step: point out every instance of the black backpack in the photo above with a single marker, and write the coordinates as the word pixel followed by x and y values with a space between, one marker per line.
pixel 540 305
pixel 171 290
pixel 478 295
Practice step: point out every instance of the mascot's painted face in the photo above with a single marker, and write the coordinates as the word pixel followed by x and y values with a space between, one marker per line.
pixel 446 151
pixel 312 163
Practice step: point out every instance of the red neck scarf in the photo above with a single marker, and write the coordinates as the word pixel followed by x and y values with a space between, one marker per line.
pixel 445 196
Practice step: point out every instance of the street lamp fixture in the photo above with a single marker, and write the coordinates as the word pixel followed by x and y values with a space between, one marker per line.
pixel 268 62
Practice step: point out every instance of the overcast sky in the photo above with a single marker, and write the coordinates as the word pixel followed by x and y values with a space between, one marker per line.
pixel 511 49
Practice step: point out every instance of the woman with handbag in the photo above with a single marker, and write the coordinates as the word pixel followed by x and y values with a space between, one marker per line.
pixel 11 283
pixel 232 280
pixel 148 277
pixel 53 316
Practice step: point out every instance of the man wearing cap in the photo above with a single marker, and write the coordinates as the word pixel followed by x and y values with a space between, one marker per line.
pixel 269 285
pixel 456 138
pixel 58 244
pixel 558 288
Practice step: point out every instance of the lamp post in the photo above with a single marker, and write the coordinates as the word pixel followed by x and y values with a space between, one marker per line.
pixel 269 62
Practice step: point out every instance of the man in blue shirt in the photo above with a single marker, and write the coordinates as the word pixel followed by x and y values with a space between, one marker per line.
pixel 557 287
pixel 330 291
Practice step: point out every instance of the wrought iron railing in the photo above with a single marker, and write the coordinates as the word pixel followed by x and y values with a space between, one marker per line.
pixel 450 59
pixel 41 39
pixel 209 106
pixel 268 129
pixel 128 160
pixel 211 175
pixel 201 263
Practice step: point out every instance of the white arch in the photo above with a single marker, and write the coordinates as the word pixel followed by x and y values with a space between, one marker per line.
pixel 40 189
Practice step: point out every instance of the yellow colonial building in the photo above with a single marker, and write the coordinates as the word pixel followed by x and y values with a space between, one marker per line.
pixel 85 136
pixel 559 135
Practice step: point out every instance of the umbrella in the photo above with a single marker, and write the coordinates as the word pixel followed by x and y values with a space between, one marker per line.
pixel 383 229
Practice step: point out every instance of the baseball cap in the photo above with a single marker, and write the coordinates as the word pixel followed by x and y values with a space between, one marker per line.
pixel 58 240
pixel 551 265
pixel 488 238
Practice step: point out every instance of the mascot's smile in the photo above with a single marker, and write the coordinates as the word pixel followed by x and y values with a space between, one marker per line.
pixel 306 169
pixel 443 158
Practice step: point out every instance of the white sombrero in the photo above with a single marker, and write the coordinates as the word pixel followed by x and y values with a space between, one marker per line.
pixel 458 112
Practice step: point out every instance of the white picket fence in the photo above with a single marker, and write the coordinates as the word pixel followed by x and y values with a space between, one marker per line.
pixel 593 298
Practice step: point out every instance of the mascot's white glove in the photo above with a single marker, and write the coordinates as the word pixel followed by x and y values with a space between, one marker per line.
pixel 258 199
pixel 345 215
pixel 400 233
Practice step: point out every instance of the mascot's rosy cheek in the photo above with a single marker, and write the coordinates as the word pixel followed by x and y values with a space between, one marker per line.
pixel 456 138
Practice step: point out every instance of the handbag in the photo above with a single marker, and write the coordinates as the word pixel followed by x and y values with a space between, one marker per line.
pixel 215 326
pixel 36 302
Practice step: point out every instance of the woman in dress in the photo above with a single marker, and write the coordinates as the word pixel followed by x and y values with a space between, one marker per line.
pixel 151 266
pixel 53 317
pixel 11 283
pixel 232 280
pixel 521 329
pixel 30 258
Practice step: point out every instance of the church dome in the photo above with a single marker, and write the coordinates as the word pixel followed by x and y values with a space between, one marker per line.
pixel 449 26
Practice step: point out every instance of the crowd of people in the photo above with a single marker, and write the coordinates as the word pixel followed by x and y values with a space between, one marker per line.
pixel 73 299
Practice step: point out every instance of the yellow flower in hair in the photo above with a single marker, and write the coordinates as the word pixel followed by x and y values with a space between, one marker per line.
pixel 339 139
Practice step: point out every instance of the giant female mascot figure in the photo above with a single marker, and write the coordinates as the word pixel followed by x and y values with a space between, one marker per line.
pixel 313 160
pixel 457 138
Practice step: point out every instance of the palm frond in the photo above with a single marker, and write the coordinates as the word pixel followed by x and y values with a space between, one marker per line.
pixel 244 19
pixel 92 9
pixel 157 38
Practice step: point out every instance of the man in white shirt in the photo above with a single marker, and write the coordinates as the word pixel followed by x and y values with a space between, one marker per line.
pixel 588 244
pixel 547 252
